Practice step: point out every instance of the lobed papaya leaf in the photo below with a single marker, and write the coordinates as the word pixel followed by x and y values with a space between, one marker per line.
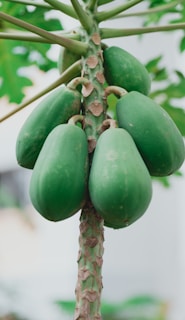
pixel 20 54
pixel 12 83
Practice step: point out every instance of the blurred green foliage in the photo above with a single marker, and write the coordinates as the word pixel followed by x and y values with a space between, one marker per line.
pixel 142 307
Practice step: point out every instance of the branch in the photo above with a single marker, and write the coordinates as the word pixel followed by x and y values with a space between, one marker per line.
pixel 73 45
pixel 83 17
pixel 157 9
pixel 104 15
pixel 62 7
pixel 32 3
pixel 107 33
pixel 66 76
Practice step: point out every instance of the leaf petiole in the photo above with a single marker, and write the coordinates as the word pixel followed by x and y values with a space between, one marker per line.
pixel 157 9
pixel 107 33
pixel 92 5
pixel 73 45
pixel 105 15
pixel 67 9
pixel 83 17
pixel 28 36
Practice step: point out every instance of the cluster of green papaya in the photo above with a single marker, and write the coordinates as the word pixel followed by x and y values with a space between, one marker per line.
pixel 118 181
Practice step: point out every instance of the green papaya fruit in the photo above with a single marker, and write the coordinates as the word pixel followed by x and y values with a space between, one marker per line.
pixel 119 183
pixel 157 138
pixel 124 70
pixel 66 59
pixel 58 181
pixel 57 107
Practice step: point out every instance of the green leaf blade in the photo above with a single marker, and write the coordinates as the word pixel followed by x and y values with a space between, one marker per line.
pixel 16 55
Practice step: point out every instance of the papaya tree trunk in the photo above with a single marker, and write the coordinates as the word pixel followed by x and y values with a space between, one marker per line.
pixel 90 259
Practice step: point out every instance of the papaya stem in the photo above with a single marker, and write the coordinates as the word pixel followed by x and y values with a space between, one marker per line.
pixel 76 81
pixel 83 17
pixel 105 15
pixel 90 259
pixel 73 45
pixel 67 9
pixel 118 91
pixel 66 76
pixel 31 3
pixel 107 33
pixel 76 118
pixel 108 123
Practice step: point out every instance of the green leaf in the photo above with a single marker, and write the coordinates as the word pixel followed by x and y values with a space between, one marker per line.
pixel 144 307
pixel 157 72
pixel 163 180
pixel 179 74
pixel 152 65
pixel 12 83
pixel 171 90
pixel 182 44
pixel 176 90
pixel 16 55
pixel 66 305
pixel 178 116
pixel 156 17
